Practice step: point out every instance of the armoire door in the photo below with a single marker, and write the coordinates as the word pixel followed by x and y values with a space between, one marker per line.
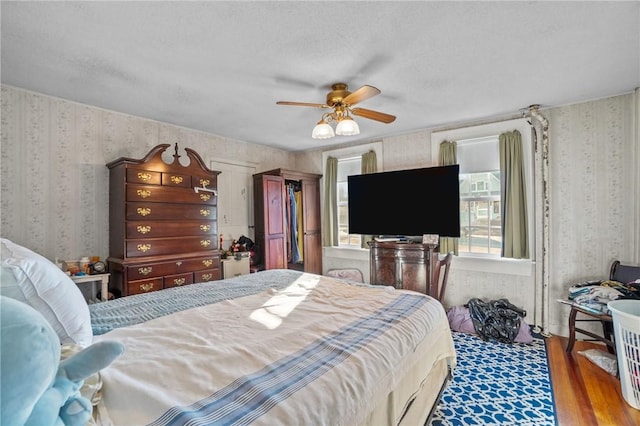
pixel 271 226
pixel 311 226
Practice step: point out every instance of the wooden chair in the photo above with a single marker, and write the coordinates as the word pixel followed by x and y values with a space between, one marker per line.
pixel 440 277
pixel 618 272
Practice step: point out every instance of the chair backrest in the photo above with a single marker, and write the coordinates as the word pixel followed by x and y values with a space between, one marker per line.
pixel 350 274
pixel 440 277
pixel 624 273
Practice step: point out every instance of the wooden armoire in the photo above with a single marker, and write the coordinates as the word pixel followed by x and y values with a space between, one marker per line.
pixel 272 231
pixel 162 222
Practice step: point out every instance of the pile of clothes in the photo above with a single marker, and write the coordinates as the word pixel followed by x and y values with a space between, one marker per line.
pixel 492 320
pixel 594 295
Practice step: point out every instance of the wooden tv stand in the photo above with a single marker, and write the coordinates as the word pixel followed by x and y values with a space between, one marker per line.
pixel 403 265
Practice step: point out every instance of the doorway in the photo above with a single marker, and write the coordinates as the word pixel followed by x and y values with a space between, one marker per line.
pixel 235 200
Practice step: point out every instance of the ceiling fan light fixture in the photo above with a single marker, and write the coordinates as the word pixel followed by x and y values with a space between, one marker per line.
pixel 322 130
pixel 341 100
pixel 347 127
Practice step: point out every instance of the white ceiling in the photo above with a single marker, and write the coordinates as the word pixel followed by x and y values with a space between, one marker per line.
pixel 220 67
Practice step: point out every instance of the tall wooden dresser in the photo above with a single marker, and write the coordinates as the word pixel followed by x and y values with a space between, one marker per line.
pixel 163 222
pixel 270 208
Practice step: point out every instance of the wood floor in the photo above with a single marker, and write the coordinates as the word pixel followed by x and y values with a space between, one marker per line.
pixel 584 393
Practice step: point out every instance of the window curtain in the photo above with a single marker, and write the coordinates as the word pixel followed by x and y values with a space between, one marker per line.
pixel 330 220
pixel 515 238
pixel 369 165
pixel 447 156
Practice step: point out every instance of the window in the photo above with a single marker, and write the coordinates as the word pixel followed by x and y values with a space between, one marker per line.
pixel 346 167
pixel 480 205
pixel 349 163
pixel 480 225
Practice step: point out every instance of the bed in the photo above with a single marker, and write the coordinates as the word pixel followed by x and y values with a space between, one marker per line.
pixel 274 347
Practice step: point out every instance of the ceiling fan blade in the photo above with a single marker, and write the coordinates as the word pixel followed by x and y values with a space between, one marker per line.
pixel 363 93
pixel 308 104
pixel 373 115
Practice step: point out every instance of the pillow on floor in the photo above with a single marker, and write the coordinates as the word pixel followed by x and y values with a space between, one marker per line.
pixel 33 279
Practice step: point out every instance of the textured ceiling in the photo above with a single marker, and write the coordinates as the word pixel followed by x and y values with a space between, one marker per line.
pixel 220 67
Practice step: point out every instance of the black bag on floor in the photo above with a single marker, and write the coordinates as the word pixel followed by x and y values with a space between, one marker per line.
pixel 495 319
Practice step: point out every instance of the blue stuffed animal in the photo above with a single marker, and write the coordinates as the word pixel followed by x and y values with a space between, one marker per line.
pixel 38 389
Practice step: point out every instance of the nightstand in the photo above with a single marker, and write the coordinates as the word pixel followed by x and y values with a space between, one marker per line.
pixel 233 267
pixel 102 278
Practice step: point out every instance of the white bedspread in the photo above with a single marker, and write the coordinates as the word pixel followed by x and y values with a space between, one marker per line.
pixel 318 352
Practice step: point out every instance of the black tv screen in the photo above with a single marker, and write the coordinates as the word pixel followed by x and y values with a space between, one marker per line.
pixel 406 202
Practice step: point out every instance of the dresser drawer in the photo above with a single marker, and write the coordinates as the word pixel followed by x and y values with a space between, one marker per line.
pixel 178 280
pixel 177 266
pixel 201 263
pixel 176 180
pixel 151 229
pixel 162 211
pixel 144 286
pixel 206 275
pixel 144 176
pixel 154 270
pixel 204 181
pixel 160 246
pixel 159 194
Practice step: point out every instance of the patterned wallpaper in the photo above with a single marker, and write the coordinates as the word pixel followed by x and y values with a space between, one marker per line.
pixel 594 155
pixel 55 187
pixel 54 183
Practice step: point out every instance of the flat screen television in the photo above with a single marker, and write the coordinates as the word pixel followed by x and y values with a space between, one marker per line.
pixel 406 203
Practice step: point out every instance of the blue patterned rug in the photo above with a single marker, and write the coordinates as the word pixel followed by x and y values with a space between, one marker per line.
pixel 497 384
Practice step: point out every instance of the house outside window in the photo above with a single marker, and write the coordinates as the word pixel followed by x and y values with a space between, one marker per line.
pixel 480 221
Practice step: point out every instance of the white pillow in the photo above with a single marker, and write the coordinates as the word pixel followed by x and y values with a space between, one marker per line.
pixel 9 284
pixel 31 278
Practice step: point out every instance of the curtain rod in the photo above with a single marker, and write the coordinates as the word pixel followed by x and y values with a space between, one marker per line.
pixel 522 114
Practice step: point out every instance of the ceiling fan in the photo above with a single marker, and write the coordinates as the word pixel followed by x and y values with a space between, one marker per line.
pixel 341 100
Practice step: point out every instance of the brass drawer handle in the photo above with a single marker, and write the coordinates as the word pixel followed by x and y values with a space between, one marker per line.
pixel 205 228
pixel 205 212
pixel 207 277
pixel 179 281
pixel 176 179
pixel 143 229
pixel 145 271
pixel 204 182
pixel 207 262
pixel 143 193
pixel 205 243
pixel 144 176
pixel 146 286
pixel 205 197
pixel 179 263
pixel 144 247
pixel 143 211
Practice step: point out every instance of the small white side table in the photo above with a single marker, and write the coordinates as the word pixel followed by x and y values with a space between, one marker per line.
pixel 103 278
pixel 233 267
